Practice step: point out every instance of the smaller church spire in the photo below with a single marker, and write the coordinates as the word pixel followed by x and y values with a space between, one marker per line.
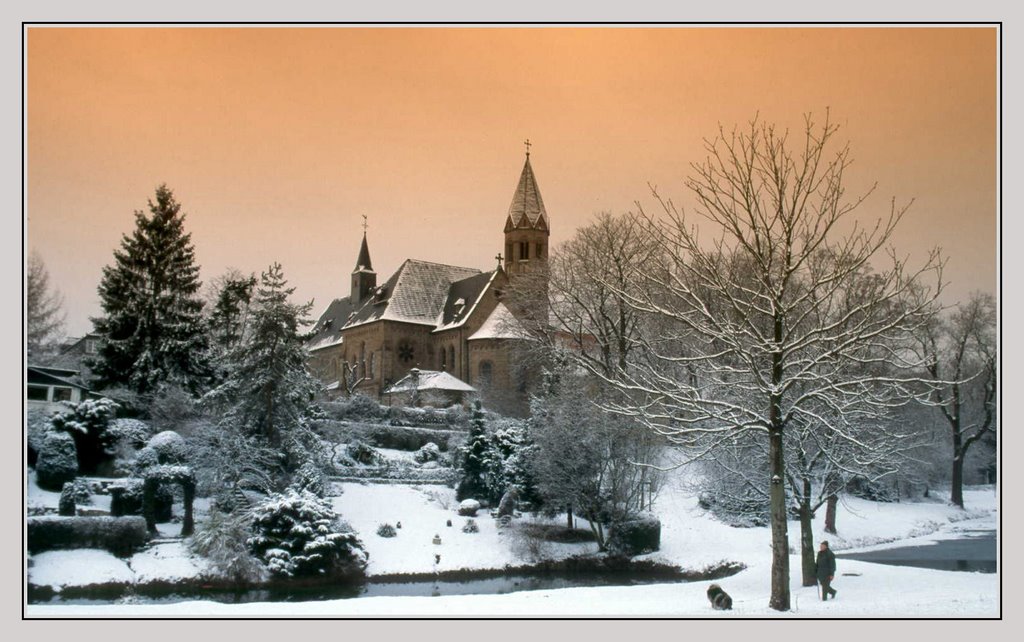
pixel 363 262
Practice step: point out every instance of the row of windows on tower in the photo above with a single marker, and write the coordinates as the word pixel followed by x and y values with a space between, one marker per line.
pixel 523 248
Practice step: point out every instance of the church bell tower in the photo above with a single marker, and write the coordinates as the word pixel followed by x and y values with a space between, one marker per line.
pixel 527 226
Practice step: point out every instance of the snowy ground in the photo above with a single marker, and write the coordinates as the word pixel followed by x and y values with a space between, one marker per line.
pixel 691 539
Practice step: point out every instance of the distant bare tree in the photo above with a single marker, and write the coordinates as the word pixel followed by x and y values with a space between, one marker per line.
pixel 44 313
pixel 961 354
pixel 755 331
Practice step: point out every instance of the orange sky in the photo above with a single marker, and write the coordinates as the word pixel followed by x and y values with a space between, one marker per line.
pixel 276 141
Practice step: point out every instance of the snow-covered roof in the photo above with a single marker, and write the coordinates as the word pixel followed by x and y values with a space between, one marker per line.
pixel 430 380
pixel 455 310
pixel 416 293
pixel 501 324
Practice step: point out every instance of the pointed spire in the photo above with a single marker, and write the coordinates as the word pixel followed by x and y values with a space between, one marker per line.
pixel 527 205
pixel 363 262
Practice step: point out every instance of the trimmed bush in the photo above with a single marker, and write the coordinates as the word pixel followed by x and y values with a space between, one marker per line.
pixel 121 536
pixel 409 438
pixel 38 424
pixel 170 447
pixel 429 452
pixel 470 526
pixel 126 499
pixel 641 534
pixel 364 454
pixel 298 534
pixel 66 504
pixel 57 462
pixel 469 507
pixel 386 530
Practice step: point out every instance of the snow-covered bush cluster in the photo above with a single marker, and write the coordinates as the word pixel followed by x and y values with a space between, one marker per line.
pixel 88 424
pixel 469 507
pixel 386 530
pixel 298 534
pixel 355 408
pixel 130 432
pixel 170 447
pixel 429 452
pixel 57 462
pixel 364 454
pixel 470 526
pixel 640 534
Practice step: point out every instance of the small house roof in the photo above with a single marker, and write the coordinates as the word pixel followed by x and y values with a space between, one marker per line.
pixel 429 380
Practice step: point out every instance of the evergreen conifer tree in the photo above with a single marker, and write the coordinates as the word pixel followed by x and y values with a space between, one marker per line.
pixel 151 310
pixel 268 389
pixel 473 458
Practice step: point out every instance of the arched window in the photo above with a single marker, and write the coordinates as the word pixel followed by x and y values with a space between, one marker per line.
pixel 443 359
pixel 372 374
pixel 451 358
pixel 486 372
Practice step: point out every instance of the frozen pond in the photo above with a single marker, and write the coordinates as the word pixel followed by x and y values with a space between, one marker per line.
pixel 975 552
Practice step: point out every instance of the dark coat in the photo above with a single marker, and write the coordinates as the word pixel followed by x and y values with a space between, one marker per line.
pixel 825 566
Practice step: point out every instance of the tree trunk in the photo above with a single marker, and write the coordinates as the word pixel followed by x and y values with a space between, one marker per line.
pixel 780 536
pixel 807 537
pixel 830 514
pixel 777 472
pixel 568 517
pixel 149 487
pixel 188 522
pixel 957 493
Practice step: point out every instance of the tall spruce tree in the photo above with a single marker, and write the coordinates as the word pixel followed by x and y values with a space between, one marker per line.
pixel 268 389
pixel 151 309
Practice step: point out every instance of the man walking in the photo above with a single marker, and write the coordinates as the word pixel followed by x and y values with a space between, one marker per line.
pixel 825 570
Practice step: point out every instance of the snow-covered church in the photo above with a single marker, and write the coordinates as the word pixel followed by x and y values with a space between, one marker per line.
pixel 435 317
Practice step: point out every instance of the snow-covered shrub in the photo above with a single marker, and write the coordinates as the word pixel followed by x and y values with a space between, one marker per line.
pixel 429 452
pixel 132 432
pixel 408 438
pixel 297 534
pixel 170 447
pixel 640 534
pixel 88 422
pixel 469 507
pixel 66 503
pixel 57 462
pixel 146 458
pixel 364 454
pixel 310 477
pixel 470 526
pixel 119 535
pixel 386 530
pixel 37 424
pixel 81 492
pixel 358 407
pixel 126 499
pixel 221 539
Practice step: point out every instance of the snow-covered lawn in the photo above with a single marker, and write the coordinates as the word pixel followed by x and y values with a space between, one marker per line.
pixel 424 512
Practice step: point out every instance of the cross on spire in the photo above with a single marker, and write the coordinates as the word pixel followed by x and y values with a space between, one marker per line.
pixel 528 144
pixel 500 259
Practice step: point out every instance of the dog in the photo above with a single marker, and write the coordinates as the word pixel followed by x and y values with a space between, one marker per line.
pixel 720 600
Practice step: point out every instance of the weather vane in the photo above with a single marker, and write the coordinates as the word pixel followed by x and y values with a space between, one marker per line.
pixel 527 143
pixel 364 224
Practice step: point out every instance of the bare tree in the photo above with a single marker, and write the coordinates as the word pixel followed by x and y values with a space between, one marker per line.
pixel 581 310
pixel 755 331
pixel 961 354
pixel 44 315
